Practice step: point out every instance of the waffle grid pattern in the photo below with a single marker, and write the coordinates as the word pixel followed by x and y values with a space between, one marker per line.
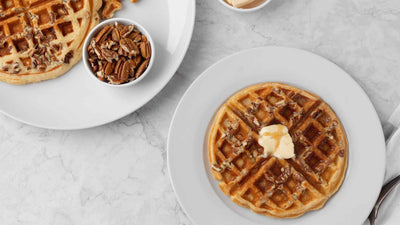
pixel 272 186
pixel 21 19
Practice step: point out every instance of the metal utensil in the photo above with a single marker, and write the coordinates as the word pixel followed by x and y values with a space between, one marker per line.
pixel 386 189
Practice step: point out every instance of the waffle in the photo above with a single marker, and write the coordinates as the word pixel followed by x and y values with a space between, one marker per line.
pixel 42 39
pixel 282 188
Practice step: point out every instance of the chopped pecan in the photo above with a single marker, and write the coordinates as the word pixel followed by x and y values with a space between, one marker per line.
pixel 304 166
pixel 341 153
pixel 68 57
pixel 298 177
pixel 284 176
pixel 248 142
pixel 108 44
pixel 15 68
pixel 216 167
pixel 254 107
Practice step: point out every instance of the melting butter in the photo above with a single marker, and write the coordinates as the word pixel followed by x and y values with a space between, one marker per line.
pixel 276 140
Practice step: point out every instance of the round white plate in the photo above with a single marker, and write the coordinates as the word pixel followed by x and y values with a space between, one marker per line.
pixel 76 101
pixel 193 183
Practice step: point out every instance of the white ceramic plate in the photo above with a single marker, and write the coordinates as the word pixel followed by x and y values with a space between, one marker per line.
pixel 193 183
pixel 75 101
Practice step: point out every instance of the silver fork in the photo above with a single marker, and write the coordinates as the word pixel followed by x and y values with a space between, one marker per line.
pixel 386 189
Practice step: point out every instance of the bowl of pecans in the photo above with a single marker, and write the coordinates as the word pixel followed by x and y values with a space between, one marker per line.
pixel 118 52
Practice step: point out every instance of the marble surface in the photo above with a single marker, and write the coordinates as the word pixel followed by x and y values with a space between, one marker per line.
pixel 116 174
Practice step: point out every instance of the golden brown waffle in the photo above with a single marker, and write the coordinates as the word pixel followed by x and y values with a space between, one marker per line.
pixel 282 188
pixel 42 39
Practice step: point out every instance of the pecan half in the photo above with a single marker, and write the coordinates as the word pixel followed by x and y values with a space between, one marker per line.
pixel 115 35
pixel 129 46
pixel 142 68
pixel 145 50
pixel 108 68
pixel 102 35
pixel 109 55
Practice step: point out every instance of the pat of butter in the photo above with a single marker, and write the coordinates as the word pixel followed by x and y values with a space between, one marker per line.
pixel 239 3
pixel 277 141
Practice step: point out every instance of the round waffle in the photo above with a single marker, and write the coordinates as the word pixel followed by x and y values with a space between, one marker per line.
pixel 42 39
pixel 282 188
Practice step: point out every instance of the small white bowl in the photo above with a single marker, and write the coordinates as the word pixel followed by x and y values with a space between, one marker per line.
pixel 227 5
pixel 97 29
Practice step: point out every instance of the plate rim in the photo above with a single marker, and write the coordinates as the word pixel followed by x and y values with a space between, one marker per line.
pixel 203 74
pixel 185 46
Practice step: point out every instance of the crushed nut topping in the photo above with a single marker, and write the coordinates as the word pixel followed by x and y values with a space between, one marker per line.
pixel 232 129
pixel 284 176
pixel 341 153
pixel 253 108
pixel 216 167
pixel 116 56
pixel 298 177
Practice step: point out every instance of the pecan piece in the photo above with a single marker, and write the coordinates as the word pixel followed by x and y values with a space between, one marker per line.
pixel 129 46
pixel 124 72
pixel 109 55
pixel 145 50
pixel 142 68
pixel 108 44
pixel 126 30
pixel 341 153
pixel 135 36
pixel 68 57
pixel 115 35
pixel 102 35
pixel 108 68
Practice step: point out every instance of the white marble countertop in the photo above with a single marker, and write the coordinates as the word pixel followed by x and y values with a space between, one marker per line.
pixel 116 174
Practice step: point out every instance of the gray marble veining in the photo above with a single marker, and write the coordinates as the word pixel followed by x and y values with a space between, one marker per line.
pixel 116 174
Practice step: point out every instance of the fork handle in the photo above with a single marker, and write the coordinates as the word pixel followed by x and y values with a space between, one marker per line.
pixel 386 189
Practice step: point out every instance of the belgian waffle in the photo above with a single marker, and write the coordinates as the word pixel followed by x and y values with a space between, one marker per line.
pixel 42 39
pixel 282 188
